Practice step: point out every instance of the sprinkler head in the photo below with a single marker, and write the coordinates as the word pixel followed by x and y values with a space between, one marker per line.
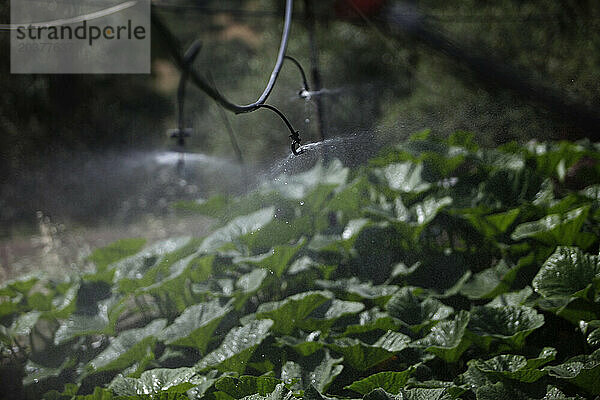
pixel 304 94
pixel 180 134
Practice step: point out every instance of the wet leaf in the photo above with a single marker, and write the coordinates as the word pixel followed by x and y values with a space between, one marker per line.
pixel 177 380
pixel 582 370
pixel 554 229
pixel 447 339
pixel 195 326
pixel 359 355
pixel 236 228
pixel 318 371
pixel 391 382
pixel 237 347
pixel 414 312
pixel 568 272
pixel 129 346
pixel 243 386
pixel 289 313
pixel 510 324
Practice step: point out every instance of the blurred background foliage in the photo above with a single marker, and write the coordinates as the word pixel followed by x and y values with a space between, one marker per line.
pixel 374 83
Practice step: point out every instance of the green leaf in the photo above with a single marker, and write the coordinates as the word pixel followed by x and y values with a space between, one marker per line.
pixel 491 282
pixel 393 341
pixel 305 346
pixel 359 355
pixel 116 251
pixel 276 261
pixel 36 373
pixel 405 177
pixel 582 371
pixel 509 366
pixel 129 346
pixel 195 326
pixel 567 272
pixel 280 393
pixel 447 339
pixel 322 319
pixel 510 324
pixel 512 298
pixel 318 370
pixel 289 313
pixel 237 347
pixel 494 224
pixel 23 325
pixel 136 266
pixel 355 290
pixel 410 394
pixel 391 382
pixel 178 380
pixel 236 228
pixel 243 386
pixel 14 288
pixel 416 313
pixel 373 319
pixel 554 229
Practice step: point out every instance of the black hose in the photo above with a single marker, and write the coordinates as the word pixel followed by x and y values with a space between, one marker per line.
pixel 173 46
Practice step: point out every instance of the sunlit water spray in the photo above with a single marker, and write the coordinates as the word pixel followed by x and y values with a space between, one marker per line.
pixel 352 150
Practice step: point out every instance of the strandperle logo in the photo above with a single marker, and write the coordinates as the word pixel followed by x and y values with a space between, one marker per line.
pixel 89 33
pixel 80 36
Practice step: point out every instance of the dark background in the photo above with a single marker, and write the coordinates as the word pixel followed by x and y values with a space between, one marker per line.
pixel 51 126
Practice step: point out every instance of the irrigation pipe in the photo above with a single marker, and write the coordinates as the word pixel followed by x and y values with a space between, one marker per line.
pixel 202 84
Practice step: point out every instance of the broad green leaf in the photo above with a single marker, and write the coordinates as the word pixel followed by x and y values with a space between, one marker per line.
pixel 238 227
pixel 554 229
pixel 568 272
pixel 355 290
pixel 494 224
pixel 447 339
pixel 305 346
pixel 319 371
pixel 393 341
pixel 195 326
pixel 509 366
pixel 23 325
pixel 17 286
pixel 280 393
pixel 237 347
pixel 410 394
pixel 391 382
pixel 414 312
pixel 276 261
pixel 289 313
pixel 405 177
pixel 36 373
pixel 78 325
pixel 359 355
pixel 373 319
pixel 512 298
pixel 116 251
pixel 248 284
pixel 322 319
pixel 490 282
pixel 582 371
pixel 129 346
pixel 243 386
pixel 510 324
pixel 299 185
pixel 101 322
pixel 136 266
pixel 177 380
